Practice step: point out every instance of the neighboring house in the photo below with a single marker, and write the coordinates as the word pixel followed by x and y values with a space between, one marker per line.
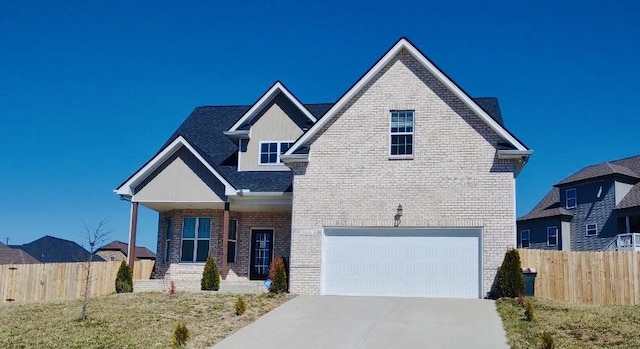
pixel 405 186
pixel 118 250
pixel 10 255
pixel 594 209
pixel 49 249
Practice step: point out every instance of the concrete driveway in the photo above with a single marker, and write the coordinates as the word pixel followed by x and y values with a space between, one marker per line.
pixel 374 322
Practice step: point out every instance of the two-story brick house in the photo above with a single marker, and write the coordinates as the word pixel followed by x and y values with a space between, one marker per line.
pixel 594 209
pixel 405 186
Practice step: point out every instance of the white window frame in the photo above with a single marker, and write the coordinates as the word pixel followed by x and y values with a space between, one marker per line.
pixel 549 235
pixel 587 230
pixel 412 134
pixel 528 239
pixel 235 241
pixel 278 150
pixel 169 235
pixel 195 239
pixel 575 198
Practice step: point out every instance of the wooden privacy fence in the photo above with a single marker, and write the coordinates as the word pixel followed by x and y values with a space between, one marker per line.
pixel 607 277
pixel 62 281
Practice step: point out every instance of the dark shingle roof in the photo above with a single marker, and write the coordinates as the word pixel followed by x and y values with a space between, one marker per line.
pixel 632 199
pixel 599 170
pixel 10 255
pixel 204 130
pixel 49 249
pixel 490 106
pixel 141 252
pixel 629 167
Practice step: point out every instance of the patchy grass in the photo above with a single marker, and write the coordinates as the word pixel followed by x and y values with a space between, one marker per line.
pixel 571 325
pixel 140 320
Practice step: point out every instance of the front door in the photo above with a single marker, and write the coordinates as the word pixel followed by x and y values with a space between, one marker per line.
pixel 261 253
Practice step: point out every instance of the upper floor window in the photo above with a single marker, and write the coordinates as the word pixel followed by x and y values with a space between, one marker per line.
pixel 552 236
pixel 401 132
pixel 571 198
pixel 591 229
pixel 270 152
pixel 524 238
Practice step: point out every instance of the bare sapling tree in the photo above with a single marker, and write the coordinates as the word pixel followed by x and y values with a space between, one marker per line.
pixel 94 238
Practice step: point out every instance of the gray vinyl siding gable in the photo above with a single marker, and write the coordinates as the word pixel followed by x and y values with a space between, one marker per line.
pixel 592 209
pixel 538 232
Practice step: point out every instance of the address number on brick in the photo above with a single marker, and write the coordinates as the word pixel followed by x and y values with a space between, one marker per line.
pixel 306 232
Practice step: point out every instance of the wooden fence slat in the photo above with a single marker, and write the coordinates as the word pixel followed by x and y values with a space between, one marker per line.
pixel 63 281
pixel 586 277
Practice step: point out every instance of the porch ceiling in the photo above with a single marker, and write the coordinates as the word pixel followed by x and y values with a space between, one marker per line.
pixel 168 206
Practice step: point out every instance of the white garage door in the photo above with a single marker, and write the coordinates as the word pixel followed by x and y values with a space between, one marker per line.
pixel 401 262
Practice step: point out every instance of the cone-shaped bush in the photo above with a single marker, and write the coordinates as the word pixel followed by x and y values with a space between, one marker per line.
pixel 124 279
pixel 278 276
pixel 510 279
pixel 241 306
pixel 210 276
pixel 180 335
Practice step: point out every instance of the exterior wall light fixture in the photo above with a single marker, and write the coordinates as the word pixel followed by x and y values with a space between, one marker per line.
pixel 396 218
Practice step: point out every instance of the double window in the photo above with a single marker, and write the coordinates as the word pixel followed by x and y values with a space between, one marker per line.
pixel 196 233
pixel 591 229
pixel 524 238
pixel 552 236
pixel 232 241
pixel 270 152
pixel 571 198
pixel 401 133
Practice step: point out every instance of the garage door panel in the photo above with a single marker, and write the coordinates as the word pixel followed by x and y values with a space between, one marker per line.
pixel 401 263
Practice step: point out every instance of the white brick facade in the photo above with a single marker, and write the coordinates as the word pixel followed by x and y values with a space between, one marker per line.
pixel 453 180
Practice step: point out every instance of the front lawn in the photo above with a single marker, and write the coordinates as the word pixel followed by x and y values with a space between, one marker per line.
pixel 141 320
pixel 571 325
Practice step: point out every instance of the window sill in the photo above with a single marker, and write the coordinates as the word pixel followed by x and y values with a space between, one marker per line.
pixel 400 157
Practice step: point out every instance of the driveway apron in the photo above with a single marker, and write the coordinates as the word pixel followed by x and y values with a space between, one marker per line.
pixel 374 322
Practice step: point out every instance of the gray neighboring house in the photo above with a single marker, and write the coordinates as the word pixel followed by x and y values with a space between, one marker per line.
pixel 405 186
pixel 594 209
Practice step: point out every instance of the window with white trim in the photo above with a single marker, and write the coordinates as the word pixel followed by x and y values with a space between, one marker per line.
pixel 270 152
pixel 196 233
pixel 524 238
pixel 401 133
pixel 167 246
pixel 552 236
pixel 571 198
pixel 232 240
pixel 591 229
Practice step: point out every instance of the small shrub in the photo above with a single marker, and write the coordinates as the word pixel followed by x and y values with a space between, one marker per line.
pixel 180 335
pixel 241 306
pixel 278 276
pixel 124 279
pixel 172 288
pixel 510 279
pixel 546 341
pixel 529 313
pixel 210 276
pixel 521 299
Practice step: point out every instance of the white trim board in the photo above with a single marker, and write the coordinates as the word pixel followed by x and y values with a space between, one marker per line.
pixel 126 188
pixel 266 98
pixel 404 44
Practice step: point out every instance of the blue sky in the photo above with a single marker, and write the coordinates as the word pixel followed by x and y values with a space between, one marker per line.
pixel 90 90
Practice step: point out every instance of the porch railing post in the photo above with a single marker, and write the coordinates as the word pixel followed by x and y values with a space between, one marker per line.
pixel 225 239
pixel 133 227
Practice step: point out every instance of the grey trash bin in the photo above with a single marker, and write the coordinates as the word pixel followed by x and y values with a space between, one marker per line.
pixel 529 281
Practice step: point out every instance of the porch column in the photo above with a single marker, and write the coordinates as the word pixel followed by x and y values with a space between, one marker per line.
pixel 628 224
pixel 225 239
pixel 133 227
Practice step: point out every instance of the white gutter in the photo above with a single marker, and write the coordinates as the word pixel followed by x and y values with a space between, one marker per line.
pixel 241 134
pixel 287 159
pixel 248 193
pixel 514 154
